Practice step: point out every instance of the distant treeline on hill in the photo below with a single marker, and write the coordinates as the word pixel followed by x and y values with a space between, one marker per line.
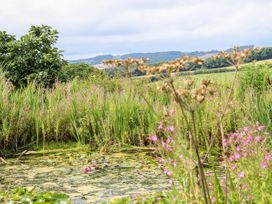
pixel 263 54
pixel 154 57
pixel 209 63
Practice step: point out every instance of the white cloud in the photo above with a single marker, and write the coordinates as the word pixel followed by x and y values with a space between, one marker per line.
pixel 118 26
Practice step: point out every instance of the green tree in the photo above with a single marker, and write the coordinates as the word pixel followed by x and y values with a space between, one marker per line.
pixel 32 57
pixel 5 39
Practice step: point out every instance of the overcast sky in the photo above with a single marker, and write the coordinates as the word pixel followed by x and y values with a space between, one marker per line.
pixel 91 27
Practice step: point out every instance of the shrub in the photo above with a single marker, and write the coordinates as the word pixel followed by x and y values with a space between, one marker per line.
pixel 80 71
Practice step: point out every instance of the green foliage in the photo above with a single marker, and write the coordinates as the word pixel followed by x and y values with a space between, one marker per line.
pixel 258 77
pixel 22 195
pixel 263 54
pixel 5 39
pixel 211 63
pixel 32 57
pixel 121 72
pixel 80 71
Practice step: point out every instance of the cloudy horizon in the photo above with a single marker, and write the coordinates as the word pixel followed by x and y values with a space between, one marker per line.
pixel 88 28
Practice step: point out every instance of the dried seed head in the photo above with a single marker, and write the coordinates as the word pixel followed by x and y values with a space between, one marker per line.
pixel 189 82
pixel 165 88
pixel 206 82
pixel 194 92
pixel 183 93
pixel 211 90
pixel 197 60
pixel 216 57
pixel 202 91
pixel 202 86
pixel 200 98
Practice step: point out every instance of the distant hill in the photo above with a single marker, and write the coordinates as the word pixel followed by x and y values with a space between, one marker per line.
pixel 154 57
pixel 93 60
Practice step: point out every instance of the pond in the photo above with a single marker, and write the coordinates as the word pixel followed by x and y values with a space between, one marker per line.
pixel 114 175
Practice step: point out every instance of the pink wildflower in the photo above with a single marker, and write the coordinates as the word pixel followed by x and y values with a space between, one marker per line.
pixel 154 138
pixel 87 170
pixel 172 112
pixel 267 157
pixel 231 158
pixel 233 166
pixel 241 174
pixel 181 157
pixel 212 200
pixel 258 138
pixel 160 127
pixel 238 148
pixel 168 173
pixel 171 128
pixel 264 165
pixel 225 142
pixel 171 181
pixel 237 156
pixel 169 149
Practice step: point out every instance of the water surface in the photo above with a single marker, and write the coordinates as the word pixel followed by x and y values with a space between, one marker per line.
pixel 115 175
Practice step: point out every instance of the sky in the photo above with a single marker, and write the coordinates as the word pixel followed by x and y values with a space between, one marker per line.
pixel 92 27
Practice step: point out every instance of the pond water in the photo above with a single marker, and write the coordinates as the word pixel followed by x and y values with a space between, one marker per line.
pixel 115 175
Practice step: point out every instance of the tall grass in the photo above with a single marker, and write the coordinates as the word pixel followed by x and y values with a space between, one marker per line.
pixel 78 111
pixel 112 112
